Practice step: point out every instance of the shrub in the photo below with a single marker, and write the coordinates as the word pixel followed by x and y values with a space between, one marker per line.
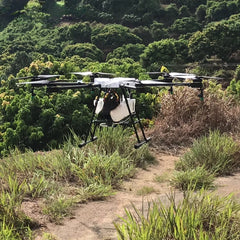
pixel 185 117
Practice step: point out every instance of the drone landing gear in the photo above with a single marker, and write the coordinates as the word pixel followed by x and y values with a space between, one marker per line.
pixel 90 132
pixel 133 123
pixel 86 142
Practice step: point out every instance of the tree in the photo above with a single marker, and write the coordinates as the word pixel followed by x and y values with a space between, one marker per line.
pixel 185 25
pixel 199 46
pixel 111 36
pixel 71 5
pixel 127 51
pixel 83 50
pixel 201 13
pixel 184 11
pixel 158 53
pixel 80 32
pixel 10 6
pixel 158 31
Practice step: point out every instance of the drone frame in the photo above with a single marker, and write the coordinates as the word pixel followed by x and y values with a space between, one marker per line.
pixel 130 84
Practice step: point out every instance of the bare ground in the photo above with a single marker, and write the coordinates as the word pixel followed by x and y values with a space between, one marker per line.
pixel 94 220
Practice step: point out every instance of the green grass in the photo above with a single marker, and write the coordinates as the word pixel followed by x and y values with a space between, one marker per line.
pixel 145 190
pixel 210 156
pixel 193 179
pixel 197 217
pixel 218 153
pixel 62 178
pixel 163 177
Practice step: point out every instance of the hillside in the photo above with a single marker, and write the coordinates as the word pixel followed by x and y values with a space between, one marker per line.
pixel 44 175
pixel 127 38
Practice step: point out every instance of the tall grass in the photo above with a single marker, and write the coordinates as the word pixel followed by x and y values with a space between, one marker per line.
pixel 217 153
pixel 199 216
pixel 210 156
pixel 64 177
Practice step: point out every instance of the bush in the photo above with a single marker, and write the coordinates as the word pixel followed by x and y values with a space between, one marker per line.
pixel 185 117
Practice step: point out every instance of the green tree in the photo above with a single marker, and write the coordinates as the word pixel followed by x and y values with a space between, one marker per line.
pixel 83 50
pixel 127 51
pixel 201 13
pixel 199 46
pixel 10 6
pixel 109 37
pixel 158 31
pixel 79 32
pixel 185 25
pixel 158 53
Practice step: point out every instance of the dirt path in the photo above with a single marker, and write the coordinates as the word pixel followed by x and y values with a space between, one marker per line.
pixel 94 220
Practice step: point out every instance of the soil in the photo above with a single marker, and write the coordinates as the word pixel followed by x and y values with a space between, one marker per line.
pixel 94 220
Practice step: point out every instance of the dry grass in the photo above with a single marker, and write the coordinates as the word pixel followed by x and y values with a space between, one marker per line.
pixel 185 117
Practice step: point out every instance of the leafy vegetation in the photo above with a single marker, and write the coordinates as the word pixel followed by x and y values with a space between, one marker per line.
pixel 127 38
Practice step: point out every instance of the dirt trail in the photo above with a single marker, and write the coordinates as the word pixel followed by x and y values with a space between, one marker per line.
pixel 94 220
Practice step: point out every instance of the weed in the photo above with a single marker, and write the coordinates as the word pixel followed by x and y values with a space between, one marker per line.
pixel 58 208
pixel 193 179
pixel 145 190
pixel 185 117
pixel 94 191
pixel 162 178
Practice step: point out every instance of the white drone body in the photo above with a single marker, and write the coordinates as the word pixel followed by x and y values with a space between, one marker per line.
pixel 114 82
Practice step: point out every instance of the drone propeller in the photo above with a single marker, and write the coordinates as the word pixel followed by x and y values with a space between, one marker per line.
pixel 38 77
pixel 170 76
pixel 35 83
pixel 94 74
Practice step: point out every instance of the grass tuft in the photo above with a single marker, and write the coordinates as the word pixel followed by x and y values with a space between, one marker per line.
pixel 197 216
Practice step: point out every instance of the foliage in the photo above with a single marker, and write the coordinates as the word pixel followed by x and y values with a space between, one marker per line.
pixel 84 50
pixel 158 53
pixel 127 51
pixel 197 216
pixel 109 37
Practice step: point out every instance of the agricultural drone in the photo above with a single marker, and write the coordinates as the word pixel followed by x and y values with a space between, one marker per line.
pixel 115 106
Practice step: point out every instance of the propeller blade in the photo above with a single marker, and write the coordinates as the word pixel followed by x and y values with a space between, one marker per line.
pixel 83 73
pixel 209 77
pixel 93 74
pixel 35 83
pixel 47 76
pixel 38 77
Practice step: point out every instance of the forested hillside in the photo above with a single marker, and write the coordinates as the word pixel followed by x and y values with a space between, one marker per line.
pixel 127 38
